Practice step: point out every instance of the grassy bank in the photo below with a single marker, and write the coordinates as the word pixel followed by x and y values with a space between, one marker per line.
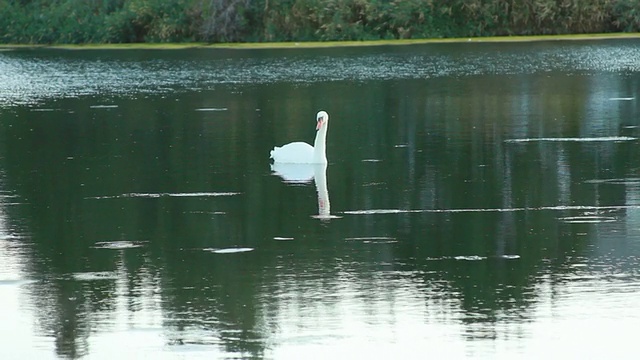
pixel 326 44
pixel 228 21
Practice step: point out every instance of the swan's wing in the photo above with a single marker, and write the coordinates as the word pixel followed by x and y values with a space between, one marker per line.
pixel 296 153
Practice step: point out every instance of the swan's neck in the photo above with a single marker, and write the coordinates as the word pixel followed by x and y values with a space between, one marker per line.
pixel 320 145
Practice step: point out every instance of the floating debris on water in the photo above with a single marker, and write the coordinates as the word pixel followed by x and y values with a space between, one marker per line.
pixel 510 257
pixel 621 98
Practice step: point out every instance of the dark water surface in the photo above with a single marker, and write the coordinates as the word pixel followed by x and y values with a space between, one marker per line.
pixel 484 203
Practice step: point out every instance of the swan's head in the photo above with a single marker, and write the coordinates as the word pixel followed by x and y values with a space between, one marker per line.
pixel 322 118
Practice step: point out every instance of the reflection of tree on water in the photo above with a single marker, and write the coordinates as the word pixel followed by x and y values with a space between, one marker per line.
pixel 237 302
pixel 210 302
pixel 466 164
pixel 54 178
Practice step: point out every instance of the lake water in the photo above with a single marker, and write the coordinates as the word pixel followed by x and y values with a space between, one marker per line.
pixel 481 201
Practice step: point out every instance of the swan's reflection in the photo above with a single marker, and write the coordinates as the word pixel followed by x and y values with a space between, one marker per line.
pixel 304 174
pixel 320 177
pixel 295 173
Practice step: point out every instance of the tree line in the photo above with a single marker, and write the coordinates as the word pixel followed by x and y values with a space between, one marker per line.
pixel 135 21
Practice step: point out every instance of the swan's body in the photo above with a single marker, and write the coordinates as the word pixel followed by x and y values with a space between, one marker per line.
pixel 303 153
pixel 294 153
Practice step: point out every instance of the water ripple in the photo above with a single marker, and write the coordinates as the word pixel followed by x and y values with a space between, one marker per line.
pixel 159 195
pixel 479 210
pixel 587 219
pixel 95 275
pixel 27 76
pixel 374 239
pixel 232 250
pixel 119 244
pixel 625 181
pixel 572 139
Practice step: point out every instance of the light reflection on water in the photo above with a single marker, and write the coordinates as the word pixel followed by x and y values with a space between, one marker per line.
pixel 393 312
pixel 411 314
pixel 472 220
pixel 27 76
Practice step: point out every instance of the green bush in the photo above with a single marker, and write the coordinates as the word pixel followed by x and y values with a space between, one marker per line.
pixel 148 21
pixel 118 21
pixel 625 15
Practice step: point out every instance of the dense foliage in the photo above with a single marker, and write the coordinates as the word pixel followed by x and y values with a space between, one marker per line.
pixel 122 21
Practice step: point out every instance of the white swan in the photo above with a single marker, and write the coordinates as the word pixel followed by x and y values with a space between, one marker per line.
pixel 303 153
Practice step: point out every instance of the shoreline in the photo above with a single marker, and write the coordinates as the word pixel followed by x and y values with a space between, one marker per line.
pixel 324 44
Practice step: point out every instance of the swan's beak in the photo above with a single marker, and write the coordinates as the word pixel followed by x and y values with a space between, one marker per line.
pixel 320 122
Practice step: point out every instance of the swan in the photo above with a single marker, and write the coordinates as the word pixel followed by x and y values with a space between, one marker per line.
pixel 303 153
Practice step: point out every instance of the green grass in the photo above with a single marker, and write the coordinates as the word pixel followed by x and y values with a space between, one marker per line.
pixel 322 44
pixel 327 44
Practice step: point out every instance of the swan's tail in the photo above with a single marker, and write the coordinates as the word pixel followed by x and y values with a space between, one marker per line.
pixel 272 152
